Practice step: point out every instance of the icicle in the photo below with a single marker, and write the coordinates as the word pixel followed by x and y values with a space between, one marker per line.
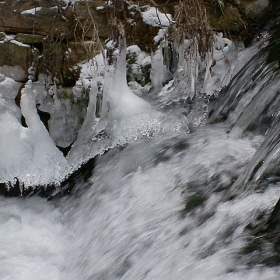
pixel 121 102
pixel 159 71
pixel 187 72
pixel 219 69
pixel 192 68
pixel 90 121
pixel 21 187
pixel 93 94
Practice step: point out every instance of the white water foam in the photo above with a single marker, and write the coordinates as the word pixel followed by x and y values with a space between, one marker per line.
pixel 129 225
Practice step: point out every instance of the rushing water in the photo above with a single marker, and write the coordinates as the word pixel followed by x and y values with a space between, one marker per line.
pixel 177 205
pixel 155 209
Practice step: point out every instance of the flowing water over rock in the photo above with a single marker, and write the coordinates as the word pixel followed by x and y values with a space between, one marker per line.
pixel 154 209
pixel 168 205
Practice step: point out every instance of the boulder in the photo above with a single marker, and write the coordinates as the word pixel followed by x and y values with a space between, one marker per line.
pixel 256 8
pixel 229 20
pixel 253 8
pixel 15 60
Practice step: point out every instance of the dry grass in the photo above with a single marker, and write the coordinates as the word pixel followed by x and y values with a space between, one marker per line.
pixel 192 23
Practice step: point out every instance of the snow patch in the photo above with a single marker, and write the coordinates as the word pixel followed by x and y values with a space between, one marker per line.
pixel 100 8
pixel 20 44
pixel 31 11
pixel 155 18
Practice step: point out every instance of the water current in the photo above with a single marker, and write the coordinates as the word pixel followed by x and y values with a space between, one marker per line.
pixel 177 205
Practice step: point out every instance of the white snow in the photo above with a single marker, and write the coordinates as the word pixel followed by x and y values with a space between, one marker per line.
pixel 54 8
pixel 100 8
pixel 156 18
pixel 20 44
pixel 32 11
pixel 161 34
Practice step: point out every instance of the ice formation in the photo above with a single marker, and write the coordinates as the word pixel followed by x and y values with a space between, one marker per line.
pixel 115 114
pixel 27 153
pixel 123 115
pixel 159 72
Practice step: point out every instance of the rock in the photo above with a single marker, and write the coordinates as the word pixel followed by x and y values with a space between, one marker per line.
pixel 256 8
pixel 252 8
pixel 29 38
pixel 230 20
pixel 79 178
pixel 51 59
pixel 2 78
pixel 14 72
pixel 239 20
pixel 52 18
pixel 53 27
pixel 15 55
pixel 2 36
pixel 60 35
pixel 83 20
pixel 32 17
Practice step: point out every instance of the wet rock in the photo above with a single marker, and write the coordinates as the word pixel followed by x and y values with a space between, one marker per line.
pixel 78 178
pixel 264 234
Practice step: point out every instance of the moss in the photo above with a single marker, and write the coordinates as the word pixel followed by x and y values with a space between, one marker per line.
pixel 29 38
pixel 234 22
pixel 231 23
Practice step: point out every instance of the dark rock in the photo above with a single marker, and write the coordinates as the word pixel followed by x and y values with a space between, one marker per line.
pixel 256 8
pixel 77 178
pixel 2 36
pixel 52 27
pixel 51 17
